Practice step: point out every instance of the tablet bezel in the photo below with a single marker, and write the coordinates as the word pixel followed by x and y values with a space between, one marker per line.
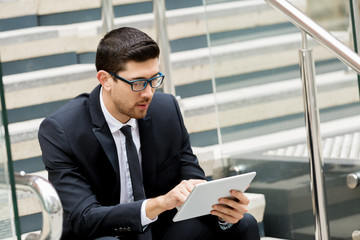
pixel 205 195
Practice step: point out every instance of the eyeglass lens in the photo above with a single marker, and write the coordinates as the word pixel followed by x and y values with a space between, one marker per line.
pixel 140 85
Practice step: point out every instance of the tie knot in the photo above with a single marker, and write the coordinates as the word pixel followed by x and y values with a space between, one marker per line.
pixel 126 130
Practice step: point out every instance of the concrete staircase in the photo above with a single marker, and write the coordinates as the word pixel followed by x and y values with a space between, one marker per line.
pixel 47 49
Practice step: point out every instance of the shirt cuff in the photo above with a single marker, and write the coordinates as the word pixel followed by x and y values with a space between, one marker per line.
pixel 224 225
pixel 144 219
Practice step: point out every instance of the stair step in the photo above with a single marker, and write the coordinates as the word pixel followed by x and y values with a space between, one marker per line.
pixel 197 59
pixel 256 103
pixel 201 107
pixel 44 86
pixel 183 23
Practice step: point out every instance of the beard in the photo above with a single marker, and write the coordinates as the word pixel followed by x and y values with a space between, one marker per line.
pixel 137 111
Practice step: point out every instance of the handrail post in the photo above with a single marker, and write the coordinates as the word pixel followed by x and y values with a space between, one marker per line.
pixel 311 111
pixel 159 9
pixel 107 16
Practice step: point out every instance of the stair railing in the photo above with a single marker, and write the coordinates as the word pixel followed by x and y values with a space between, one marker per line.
pixel 311 111
pixel 52 211
pixel 326 39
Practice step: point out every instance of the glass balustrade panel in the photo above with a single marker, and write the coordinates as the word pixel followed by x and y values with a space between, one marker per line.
pixel 338 100
pixel 259 108
pixel 7 226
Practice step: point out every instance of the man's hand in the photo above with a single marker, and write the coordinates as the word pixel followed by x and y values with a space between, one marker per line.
pixel 231 209
pixel 175 198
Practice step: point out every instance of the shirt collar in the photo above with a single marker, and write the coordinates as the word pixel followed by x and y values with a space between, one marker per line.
pixel 112 122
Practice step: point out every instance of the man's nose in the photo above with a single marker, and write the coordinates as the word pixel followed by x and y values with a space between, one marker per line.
pixel 148 91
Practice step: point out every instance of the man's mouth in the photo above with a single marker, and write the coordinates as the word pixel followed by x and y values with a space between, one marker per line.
pixel 143 105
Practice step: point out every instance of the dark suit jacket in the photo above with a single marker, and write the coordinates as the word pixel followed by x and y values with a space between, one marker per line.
pixel 80 156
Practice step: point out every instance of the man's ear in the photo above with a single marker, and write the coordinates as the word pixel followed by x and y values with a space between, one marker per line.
pixel 104 79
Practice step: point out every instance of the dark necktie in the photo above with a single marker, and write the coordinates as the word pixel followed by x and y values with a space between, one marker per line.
pixel 134 165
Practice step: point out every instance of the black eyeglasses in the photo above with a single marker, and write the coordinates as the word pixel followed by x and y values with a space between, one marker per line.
pixel 140 84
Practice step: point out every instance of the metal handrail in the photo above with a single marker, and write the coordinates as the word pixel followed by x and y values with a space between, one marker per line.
pixel 326 39
pixel 52 211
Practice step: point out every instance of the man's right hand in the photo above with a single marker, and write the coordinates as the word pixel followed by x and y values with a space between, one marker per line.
pixel 174 198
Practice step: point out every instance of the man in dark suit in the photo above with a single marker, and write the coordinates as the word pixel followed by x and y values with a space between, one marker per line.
pixel 87 153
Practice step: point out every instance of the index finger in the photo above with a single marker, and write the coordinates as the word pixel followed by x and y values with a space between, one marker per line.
pixel 196 181
pixel 190 184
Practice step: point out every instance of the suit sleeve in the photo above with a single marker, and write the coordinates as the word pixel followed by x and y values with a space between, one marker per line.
pixel 82 211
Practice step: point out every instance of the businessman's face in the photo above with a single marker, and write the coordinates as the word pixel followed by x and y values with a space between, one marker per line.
pixel 122 102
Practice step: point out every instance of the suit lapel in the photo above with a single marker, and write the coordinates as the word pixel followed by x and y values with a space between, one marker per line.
pixel 148 155
pixel 107 143
pixel 102 131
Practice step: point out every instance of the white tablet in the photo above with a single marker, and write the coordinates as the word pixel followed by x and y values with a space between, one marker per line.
pixel 205 195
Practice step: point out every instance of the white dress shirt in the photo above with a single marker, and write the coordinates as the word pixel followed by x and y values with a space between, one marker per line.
pixel 126 193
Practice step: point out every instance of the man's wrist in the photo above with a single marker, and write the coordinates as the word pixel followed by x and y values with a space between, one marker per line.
pixel 144 219
pixel 154 206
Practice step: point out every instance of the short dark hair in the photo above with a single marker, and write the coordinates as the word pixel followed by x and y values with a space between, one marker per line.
pixel 122 45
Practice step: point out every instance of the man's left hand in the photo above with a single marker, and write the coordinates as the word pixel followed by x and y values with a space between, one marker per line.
pixel 233 209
